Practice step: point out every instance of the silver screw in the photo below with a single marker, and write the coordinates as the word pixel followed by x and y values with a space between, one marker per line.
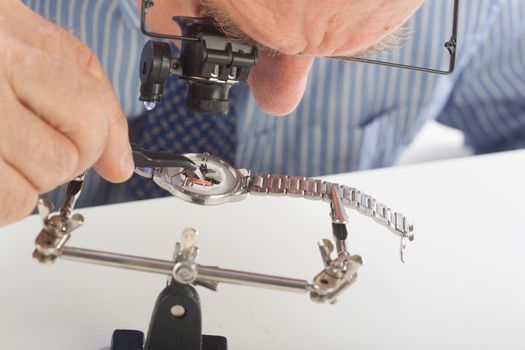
pixel 184 272
pixel 177 311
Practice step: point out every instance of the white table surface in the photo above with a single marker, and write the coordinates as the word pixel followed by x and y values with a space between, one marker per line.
pixel 463 286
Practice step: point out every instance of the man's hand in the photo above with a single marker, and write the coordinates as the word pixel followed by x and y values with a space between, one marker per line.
pixel 58 112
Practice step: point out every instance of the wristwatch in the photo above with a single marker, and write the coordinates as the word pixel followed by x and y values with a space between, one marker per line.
pixel 219 182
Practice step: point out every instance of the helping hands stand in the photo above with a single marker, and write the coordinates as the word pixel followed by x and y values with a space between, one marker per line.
pixel 176 319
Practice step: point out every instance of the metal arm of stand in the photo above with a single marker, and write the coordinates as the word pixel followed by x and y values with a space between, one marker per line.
pixel 338 273
pixel 166 267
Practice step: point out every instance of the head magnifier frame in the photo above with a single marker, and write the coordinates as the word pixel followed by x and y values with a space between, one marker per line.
pixel 450 45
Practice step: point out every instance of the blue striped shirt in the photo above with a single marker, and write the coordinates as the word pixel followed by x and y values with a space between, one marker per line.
pixel 353 116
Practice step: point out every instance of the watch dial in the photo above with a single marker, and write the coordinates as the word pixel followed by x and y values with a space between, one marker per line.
pixel 218 177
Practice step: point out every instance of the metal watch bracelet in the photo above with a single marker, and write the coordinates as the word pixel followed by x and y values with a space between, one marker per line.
pixel 315 189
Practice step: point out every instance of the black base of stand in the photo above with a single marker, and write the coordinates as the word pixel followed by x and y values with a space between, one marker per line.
pixel 124 339
pixel 169 330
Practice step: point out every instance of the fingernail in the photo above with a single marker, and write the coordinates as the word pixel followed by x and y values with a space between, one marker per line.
pixel 126 164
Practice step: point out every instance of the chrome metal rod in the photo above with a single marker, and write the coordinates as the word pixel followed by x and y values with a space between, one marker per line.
pixel 165 267
pixel 253 279
pixel 129 262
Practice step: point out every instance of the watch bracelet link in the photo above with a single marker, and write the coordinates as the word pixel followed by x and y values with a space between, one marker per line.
pixel 316 189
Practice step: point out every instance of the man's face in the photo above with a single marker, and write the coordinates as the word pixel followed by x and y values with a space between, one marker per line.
pixel 293 32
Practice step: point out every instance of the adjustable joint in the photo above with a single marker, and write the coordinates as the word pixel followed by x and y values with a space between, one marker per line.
pixel 55 233
pixel 336 277
pixel 57 228
pixel 185 268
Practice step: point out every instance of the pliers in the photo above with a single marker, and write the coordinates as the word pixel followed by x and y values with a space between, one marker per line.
pixel 147 161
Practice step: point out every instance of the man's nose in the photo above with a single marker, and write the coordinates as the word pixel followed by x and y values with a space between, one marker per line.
pixel 278 81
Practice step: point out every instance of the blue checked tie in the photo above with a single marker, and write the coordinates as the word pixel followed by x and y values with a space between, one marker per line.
pixel 172 127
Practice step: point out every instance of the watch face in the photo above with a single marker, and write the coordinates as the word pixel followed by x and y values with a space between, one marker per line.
pixel 218 183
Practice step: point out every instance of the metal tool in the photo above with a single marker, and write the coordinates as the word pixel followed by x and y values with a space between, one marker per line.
pixel 176 318
pixel 338 273
pixel 147 161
